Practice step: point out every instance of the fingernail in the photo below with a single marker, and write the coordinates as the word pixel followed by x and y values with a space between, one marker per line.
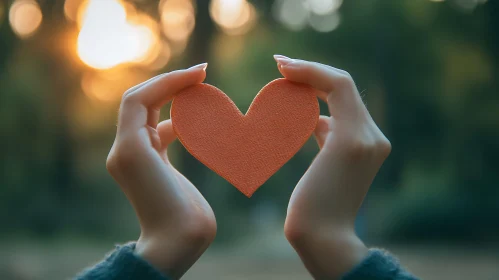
pixel 199 66
pixel 282 60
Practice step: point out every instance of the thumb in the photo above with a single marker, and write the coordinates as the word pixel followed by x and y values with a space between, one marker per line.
pixel 321 130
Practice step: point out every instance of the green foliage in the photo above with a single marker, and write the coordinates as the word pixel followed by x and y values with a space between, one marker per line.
pixel 427 71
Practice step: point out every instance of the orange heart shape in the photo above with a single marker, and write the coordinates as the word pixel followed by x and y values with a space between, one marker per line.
pixel 248 149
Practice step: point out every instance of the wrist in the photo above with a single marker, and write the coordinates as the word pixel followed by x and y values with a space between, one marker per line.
pixel 173 252
pixel 328 252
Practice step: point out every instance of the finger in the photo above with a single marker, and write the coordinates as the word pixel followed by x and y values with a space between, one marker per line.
pixel 321 130
pixel 166 134
pixel 323 77
pixel 153 115
pixel 159 91
pixel 143 83
pixel 136 106
pixel 338 88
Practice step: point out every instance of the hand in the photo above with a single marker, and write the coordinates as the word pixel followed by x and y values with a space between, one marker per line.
pixel 177 224
pixel 324 204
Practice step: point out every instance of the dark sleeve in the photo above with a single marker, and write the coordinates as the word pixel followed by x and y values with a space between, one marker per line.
pixel 379 265
pixel 122 264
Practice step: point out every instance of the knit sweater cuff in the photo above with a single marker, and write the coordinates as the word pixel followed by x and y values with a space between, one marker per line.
pixel 123 264
pixel 378 265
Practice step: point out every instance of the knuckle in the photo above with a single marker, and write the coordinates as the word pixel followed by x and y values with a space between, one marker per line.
pixel 127 98
pixel 368 148
pixel 127 92
pixel 125 95
pixel 359 149
pixel 345 79
pixel 308 68
pixel 346 74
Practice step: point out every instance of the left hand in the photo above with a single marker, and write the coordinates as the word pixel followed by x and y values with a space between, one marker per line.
pixel 177 223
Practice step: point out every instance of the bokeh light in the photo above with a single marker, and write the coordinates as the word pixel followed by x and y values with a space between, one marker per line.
pixel 227 49
pixel 234 17
pixel 325 23
pixel 468 5
pixel 323 7
pixel 71 8
pixel 109 85
pixel 321 15
pixel 162 55
pixel 178 47
pixel 177 19
pixel 158 56
pixel 148 37
pixel 108 38
pixel 62 86
pixel 25 17
pixel 293 14
pixel 95 87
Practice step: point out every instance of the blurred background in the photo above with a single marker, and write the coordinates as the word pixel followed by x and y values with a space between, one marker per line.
pixel 427 70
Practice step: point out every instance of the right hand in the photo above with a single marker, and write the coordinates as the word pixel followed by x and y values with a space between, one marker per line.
pixel 324 204
pixel 177 223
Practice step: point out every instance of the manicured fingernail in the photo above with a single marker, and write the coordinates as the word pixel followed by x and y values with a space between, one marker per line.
pixel 282 60
pixel 199 66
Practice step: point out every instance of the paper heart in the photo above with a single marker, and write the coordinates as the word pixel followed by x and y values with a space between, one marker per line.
pixel 248 149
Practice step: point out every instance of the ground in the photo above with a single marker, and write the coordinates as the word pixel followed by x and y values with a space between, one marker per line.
pixel 30 261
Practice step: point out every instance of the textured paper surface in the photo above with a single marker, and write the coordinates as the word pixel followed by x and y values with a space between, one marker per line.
pixel 248 149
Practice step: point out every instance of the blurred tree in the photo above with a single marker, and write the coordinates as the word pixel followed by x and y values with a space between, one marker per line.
pixel 427 71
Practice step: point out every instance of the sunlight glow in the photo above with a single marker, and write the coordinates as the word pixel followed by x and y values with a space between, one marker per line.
pixel 108 38
pixel 234 17
pixel 97 87
pixel 71 9
pixel 162 56
pixel 25 17
pixel 177 19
